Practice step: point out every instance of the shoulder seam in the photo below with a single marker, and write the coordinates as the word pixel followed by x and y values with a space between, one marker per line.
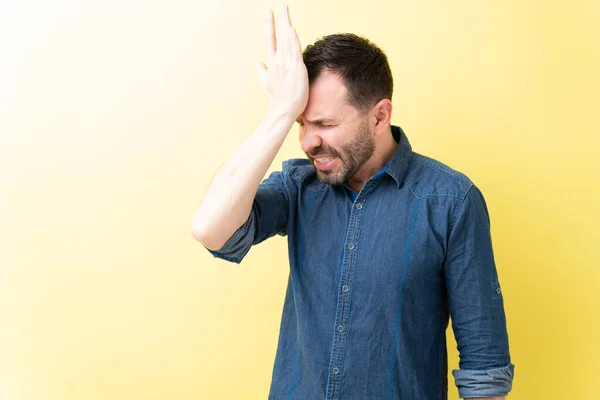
pixel 463 182
pixel 459 205
pixel 438 165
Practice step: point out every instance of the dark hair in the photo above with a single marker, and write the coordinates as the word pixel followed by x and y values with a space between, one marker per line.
pixel 362 66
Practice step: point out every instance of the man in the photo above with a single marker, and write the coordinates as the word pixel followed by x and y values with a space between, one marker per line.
pixel 384 244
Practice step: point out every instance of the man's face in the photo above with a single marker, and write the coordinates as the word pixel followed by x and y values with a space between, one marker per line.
pixel 334 134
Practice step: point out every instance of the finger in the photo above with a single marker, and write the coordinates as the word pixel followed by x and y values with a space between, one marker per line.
pixel 270 34
pixel 291 43
pixel 296 46
pixel 284 47
pixel 261 68
pixel 262 72
pixel 285 15
pixel 284 24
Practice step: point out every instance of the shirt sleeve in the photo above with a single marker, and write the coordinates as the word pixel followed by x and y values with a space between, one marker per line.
pixel 268 217
pixel 476 303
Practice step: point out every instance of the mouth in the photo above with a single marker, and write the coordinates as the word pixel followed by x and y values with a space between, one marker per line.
pixel 324 162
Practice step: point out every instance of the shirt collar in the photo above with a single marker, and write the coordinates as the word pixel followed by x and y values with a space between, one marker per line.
pixel 398 165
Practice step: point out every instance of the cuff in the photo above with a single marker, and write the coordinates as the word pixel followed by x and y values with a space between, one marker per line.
pixel 495 382
pixel 238 245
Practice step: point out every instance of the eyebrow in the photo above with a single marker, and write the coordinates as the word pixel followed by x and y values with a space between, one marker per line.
pixel 318 120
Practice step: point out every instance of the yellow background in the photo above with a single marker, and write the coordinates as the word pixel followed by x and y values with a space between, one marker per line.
pixel 114 116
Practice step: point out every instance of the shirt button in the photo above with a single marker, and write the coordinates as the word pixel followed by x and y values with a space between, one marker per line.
pixel 351 246
pixel 336 370
pixel 359 205
pixel 498 290
pixel 345 288
pixel 341 328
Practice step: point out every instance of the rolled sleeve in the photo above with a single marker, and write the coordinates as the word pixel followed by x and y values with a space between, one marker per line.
pixel 476 303
pixel 238 245
pixel 268 217
pixel 495 382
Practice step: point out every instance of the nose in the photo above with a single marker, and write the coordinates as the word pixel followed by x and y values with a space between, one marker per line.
pixel 309 139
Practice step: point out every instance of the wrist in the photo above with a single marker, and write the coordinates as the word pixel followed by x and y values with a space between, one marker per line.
pixel 277 114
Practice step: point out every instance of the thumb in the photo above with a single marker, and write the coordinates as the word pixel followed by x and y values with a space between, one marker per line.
pixel 261 68
pixel 262 72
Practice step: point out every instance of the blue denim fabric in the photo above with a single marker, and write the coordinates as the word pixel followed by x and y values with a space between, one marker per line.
pixel 374 278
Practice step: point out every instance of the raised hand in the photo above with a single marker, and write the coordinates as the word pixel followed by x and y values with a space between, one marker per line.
pixel 284 77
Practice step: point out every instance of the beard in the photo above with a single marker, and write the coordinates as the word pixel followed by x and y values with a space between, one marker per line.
pixel 352 156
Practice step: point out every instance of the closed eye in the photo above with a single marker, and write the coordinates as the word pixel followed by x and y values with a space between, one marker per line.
pixel 317 123
pixel 322 125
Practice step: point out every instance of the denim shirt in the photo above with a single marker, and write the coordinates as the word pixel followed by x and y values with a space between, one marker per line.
pixel 375 277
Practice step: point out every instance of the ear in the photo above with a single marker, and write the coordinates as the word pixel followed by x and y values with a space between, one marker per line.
pixel 382 115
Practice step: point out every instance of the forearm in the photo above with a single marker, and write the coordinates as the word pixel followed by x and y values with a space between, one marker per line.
pixel 228 199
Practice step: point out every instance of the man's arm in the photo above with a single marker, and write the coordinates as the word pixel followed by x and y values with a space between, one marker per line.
pixel 476 304
pixel 228 199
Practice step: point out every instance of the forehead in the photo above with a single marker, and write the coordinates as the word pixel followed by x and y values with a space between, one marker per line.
pixel 328 98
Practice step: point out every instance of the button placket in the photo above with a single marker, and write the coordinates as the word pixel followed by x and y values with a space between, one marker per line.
pixel 343 308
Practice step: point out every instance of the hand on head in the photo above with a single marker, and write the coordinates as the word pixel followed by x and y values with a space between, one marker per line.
pixel 284 77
